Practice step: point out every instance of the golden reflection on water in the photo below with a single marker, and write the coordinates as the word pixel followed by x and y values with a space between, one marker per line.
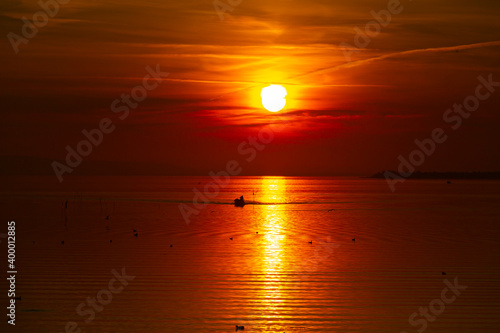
pixel 273 281
pixel 273 219
pixel 288 263
pixel 274 258
pixel 272 190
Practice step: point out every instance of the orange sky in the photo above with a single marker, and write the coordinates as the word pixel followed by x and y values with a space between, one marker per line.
pixel 342 117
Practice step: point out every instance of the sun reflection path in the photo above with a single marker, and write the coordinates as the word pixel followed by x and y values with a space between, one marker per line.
pixel 281 263
pixel 273 256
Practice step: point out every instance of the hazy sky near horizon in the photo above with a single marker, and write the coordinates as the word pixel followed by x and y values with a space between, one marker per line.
pixel 342 116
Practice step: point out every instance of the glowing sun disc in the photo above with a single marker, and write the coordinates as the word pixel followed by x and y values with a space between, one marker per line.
pixel 273 97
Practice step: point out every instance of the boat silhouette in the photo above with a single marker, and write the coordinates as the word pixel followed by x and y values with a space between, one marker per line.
pixel 239 202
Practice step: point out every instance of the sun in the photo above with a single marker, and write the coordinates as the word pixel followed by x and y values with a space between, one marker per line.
pixel 273 97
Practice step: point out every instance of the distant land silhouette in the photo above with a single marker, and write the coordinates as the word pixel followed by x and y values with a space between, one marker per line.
pixel 444 175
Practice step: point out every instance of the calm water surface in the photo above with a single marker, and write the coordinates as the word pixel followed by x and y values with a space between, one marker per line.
pixel 191 277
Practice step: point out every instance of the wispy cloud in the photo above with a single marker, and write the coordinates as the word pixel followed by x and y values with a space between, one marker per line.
pixel 400 54
pixel 371 60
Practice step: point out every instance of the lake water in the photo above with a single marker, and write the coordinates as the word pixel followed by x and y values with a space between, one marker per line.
pixel 192 277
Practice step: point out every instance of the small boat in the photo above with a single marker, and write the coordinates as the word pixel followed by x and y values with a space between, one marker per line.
pixel 240 328
pixel 239 202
